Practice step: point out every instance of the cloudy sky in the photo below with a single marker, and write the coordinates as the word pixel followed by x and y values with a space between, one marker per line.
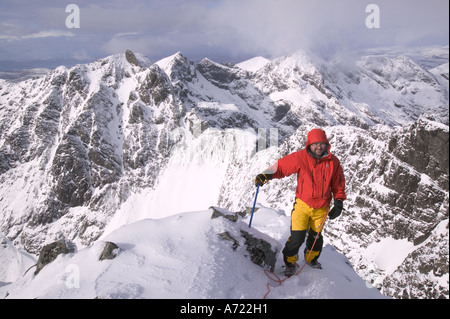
pixel 223 30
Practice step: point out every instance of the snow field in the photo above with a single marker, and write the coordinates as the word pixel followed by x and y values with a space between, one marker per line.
pixel 182 257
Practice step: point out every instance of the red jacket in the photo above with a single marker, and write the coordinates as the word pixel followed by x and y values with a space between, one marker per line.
pixel 317 179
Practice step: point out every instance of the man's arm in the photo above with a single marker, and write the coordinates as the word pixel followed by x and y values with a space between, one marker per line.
pixel 285 166
pixel 338 182
pixel 338 189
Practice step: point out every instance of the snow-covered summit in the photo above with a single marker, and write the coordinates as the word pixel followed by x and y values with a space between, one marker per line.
pixel 253 64
pixel 182 256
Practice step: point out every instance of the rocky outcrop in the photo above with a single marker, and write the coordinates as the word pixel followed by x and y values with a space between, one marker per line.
pixel 110 251
pixel 51 251
pixel 424 147
pixel 129 55
pixel 259 248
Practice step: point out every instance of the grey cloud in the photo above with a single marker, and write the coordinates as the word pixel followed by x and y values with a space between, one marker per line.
pixel 230 28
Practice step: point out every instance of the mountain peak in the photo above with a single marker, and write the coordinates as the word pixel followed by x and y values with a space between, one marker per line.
pixel 168 62
pixel 177 66
pixel 253 64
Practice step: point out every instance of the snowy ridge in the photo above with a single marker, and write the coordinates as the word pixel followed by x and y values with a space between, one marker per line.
pixel 182 256
pixel 253 64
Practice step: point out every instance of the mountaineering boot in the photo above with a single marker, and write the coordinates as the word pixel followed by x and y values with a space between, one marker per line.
pixel 290 270
pixel 315 264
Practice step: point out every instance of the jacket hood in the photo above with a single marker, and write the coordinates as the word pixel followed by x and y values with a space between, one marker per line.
pixel 316 135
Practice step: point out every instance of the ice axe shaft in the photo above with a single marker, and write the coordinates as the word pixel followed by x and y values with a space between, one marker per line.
pixel 253 209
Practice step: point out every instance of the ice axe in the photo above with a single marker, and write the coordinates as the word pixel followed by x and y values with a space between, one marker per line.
pixel 253 209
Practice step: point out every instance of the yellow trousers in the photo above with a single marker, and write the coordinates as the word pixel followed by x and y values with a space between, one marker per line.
pixel 304 218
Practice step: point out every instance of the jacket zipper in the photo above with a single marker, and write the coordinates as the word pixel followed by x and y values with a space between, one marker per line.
pixel 312 176
pixel 323 182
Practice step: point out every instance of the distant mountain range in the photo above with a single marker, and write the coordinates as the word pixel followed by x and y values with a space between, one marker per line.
pixel 81 146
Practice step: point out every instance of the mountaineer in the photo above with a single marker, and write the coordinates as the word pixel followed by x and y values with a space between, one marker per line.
pixel 319 179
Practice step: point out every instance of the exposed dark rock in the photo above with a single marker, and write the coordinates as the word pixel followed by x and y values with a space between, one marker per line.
pixel 51 251
pixel 129 55
pixel 261 249
pixel 71 171
pixel 219 75
pixel 226 235
pixel 110 251
pixel 425 148
pixel 217 212
pixel 156 87
pixel 261 252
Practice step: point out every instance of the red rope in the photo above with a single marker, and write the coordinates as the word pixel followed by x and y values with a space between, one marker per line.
pixel 277 278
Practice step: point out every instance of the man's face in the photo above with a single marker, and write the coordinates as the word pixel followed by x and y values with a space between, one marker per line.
pixel 317 149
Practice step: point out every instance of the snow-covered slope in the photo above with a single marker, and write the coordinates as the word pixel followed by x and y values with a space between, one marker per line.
pixel 13 263
pixel 182 256
pixel 253 64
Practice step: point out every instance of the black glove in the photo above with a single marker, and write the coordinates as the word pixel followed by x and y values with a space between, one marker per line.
pixel 261 179
pixel 336 210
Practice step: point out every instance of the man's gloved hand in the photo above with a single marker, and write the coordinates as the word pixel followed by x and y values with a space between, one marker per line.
pixel 261 179
pixel 337 209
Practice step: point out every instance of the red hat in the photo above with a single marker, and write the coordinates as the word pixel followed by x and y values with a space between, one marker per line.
pixel 316 135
